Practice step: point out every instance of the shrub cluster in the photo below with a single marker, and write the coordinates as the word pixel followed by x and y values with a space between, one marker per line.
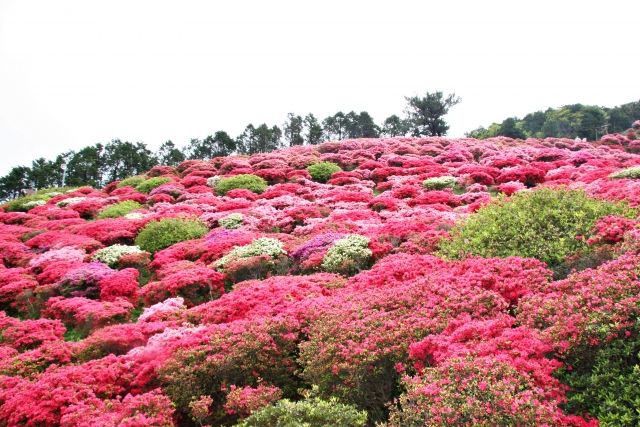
pixel 247 181
pixel 161 234
pixel 322 171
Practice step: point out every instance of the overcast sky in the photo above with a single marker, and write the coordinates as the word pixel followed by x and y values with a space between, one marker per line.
pixel 73 73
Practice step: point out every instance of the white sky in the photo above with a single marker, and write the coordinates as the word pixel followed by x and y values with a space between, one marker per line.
pixel 73 73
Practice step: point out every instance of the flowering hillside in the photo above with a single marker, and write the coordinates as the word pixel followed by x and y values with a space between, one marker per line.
pixel 401 281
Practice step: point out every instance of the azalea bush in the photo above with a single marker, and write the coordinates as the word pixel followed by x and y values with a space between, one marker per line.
pixel 249 182
pixel 119 209
pixel 547 224
pixel 322 171
pixel 161 234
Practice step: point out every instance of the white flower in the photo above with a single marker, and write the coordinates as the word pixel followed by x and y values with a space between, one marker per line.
pixel 111 254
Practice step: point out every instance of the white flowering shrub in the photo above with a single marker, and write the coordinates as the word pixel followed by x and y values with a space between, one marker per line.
pixel 213 181
pixel 262 246
pixel 440 182
pixel 134 215
pixel 348 255
pixel 70 201
pixel 33 203
pixel 164 308
pixel 111 254
pixel 231 221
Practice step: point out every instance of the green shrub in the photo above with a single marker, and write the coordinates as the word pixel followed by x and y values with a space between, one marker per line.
pixel 247 181
pixel 309 412
pixel 119 209
pixel 149 184
pixel 161 234
pixel 546 224
pixel 348 255
pixel 40 197
pixel 629 173
pixel 322 171
pixel 439 183
pixel 605 382
pixel 132 181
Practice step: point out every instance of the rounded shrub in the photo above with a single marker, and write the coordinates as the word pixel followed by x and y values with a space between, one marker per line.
pixel 348 255
pixel 629 173
pixel 439 183
pixel 111 254
pixel 308 412
pixel 547 224
pixel 161 234
pixel 119 209
pixel 231 221
pixel 132 181
pixel 322 171
pixel 247 181
pixel 149 184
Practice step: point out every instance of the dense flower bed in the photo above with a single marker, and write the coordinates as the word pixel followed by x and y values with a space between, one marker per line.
pixel 300 290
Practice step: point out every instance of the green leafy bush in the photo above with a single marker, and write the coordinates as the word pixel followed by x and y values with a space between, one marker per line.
pixel 629 173
pixel 605 382
pixel 247 181
pixel 439 183
pixel 548 224
pixel 25 203
pixel 348 255
pixel 149 184
pixel 132 181
pixel 322 171
pixel 161 234
pixel 306 413
pixel 119 209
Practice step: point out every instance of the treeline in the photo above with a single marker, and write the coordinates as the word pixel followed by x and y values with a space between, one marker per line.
pixel 571 121
pixel 99 164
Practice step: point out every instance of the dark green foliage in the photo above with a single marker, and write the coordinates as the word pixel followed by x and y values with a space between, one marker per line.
pixel 161 234
pixel 122 159
pixel 169 155
pixel 293 130
pixel 261 139
pixel 570 121
pixel 247 181
pixel 322 171
pixel 119 209
pixel 605 382
pixel 308 412
pixel 425 115
pixel 540 224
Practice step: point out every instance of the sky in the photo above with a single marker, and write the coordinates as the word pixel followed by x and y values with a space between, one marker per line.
pixel 74 73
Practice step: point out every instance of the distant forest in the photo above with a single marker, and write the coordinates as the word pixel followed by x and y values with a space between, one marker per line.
pixel 98 164
pixel 571 121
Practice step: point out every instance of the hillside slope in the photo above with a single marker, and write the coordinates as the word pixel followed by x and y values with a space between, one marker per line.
pixel 245 291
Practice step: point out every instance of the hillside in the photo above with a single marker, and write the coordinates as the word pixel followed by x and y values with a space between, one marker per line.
pixel 412 281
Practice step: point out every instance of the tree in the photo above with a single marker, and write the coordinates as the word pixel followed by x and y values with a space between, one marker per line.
pixel 425 114
pixel 314 130
pixel 46 173
pixel 124 159
pixel 86 166
pixel 259 140
pixel 394 126
pixel 168 154
pixel 14 183
pixel 510 128
pixel 334 126
pixel 293 128
pixel 360 125
pixel 217 145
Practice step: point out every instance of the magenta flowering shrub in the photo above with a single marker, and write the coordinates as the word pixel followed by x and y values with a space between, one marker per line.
pixel 181 336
